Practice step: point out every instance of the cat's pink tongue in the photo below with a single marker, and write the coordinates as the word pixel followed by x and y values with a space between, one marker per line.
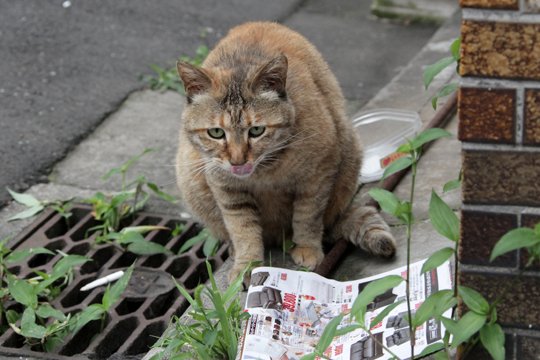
pixel 245 169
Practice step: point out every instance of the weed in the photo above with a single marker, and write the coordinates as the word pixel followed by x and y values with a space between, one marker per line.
pixel 213 332
pixel 35 206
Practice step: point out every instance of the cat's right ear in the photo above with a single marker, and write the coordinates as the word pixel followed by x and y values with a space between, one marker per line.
pixel 196 80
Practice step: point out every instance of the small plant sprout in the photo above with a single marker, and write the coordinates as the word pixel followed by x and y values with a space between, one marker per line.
pixel 167 78
pixel 35 206
pixel 433 70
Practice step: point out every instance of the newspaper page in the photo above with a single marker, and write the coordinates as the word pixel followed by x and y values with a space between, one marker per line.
pixel 290 309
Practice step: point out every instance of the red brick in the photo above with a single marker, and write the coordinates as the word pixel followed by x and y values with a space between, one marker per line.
pixel 531 133
pixel 480 231
pixel 486 115
pixel 498 177
pixel 497 49
pixel 490 4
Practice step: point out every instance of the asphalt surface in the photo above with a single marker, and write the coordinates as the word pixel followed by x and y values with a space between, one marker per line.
pixel 64 69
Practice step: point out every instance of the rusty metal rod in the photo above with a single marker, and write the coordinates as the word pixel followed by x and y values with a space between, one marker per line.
pixel 340 247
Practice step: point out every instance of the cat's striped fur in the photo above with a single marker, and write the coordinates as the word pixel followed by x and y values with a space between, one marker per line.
pixel 295 179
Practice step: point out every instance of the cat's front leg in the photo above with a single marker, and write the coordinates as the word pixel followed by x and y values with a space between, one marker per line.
pixel 242 220
pixel 308 227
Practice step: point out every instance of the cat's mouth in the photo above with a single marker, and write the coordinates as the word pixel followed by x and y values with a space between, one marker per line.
pixel 242 171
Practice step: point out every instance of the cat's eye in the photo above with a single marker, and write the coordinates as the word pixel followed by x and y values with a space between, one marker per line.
pixel 216 133
pixel 256 131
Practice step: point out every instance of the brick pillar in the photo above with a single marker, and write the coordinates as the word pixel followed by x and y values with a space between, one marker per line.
pixel 499 126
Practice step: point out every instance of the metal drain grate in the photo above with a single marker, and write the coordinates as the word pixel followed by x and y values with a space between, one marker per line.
pixel 148 303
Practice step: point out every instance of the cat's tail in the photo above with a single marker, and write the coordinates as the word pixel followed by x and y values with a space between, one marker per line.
pixel 364 227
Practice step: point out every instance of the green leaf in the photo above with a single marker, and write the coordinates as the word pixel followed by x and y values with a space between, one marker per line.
pixel 430 349
pixel 210 246
pixel 454 48
pixel 113 295
pixel 377 319
pixel 515 239
pixel 24 199
pixel 492 337
pixel 443 218
pixel 22 292
pixel 45 311
pixel 474 300
pixel 161 193
pixel 388 202
pixel 437 259
pixel 311 356
pixel 29 328
pixel 373 289
pixel 434 69
pixel 90 313
pixel 433 307
pixel 428 136
pixel 67 263
pixel 27 213
pixel 329 333
pixel 145 247
pixel 466 327
pixel 451 185
pixel 397 165
pixel 12 316
pixel 19 255
pixel 347 329
pixel 444 91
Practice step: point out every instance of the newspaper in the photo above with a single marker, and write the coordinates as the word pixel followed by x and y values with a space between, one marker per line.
pixel 290 309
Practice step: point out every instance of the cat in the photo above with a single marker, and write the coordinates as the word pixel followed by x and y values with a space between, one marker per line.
pixel 266 151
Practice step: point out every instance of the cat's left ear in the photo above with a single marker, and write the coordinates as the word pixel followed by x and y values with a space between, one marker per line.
pixel 272 76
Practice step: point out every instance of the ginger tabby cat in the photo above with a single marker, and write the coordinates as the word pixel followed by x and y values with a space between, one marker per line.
pixel 266 150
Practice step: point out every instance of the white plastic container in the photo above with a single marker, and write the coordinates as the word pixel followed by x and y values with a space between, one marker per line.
pixel 382 131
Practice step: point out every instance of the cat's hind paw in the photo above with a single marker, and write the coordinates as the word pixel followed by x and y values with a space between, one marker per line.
pixel 307 256
pixel 379 242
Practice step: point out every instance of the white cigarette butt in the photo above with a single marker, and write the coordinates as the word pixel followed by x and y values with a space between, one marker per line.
pixel 102 281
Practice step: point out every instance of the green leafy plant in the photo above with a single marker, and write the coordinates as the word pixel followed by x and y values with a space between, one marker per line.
pixel 167 78
pixel 111 210
pixel 476 325
pixel 35 206
pixel 433 70
pixel 213 331
pixel 39 323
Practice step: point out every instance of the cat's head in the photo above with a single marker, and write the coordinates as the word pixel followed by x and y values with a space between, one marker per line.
pixel 239 119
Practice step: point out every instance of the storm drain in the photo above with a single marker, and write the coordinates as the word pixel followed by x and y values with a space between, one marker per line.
pixel 147 305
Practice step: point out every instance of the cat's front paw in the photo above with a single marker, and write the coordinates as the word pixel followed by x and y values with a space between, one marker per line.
pixel 307 256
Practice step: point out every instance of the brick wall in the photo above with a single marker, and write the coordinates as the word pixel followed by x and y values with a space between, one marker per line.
pixel 499 126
